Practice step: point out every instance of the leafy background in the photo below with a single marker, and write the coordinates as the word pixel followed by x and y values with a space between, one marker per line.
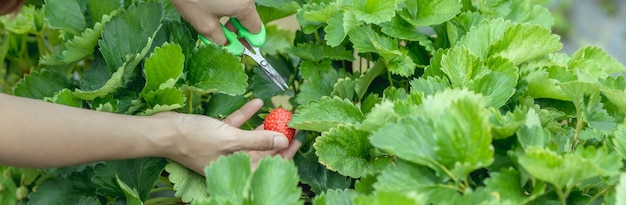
pixel 447 102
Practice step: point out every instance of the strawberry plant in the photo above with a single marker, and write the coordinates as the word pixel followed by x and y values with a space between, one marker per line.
pixel 397 102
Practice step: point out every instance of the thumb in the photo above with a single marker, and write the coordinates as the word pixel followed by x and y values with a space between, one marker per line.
pixel 261 140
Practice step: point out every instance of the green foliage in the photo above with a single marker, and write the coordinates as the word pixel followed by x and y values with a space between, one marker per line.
pixel 230 181
pixel 397 102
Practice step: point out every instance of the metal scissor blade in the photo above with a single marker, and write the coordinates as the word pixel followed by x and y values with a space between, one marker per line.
pixel 267 68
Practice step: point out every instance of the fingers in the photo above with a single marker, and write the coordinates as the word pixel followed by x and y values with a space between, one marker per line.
pixel 291 150
pixel 212 30
pixel 250 20
pixel 260 140
pixel 240 116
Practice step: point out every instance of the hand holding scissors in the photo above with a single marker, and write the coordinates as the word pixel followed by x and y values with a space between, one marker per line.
pixel 255 41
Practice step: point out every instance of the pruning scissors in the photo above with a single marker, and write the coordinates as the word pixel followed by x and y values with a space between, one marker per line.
pixel 255 40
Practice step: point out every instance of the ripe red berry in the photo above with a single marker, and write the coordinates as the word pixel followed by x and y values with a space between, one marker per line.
pixel 277 121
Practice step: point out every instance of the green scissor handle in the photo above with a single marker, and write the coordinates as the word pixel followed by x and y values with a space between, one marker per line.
pixel 234 46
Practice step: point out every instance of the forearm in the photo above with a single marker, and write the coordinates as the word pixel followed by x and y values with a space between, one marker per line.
pixel 38 134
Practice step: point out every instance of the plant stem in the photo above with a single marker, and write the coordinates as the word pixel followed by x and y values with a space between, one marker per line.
pixel 561 195
pixel 317 37
pixel 579 128
pixel 162 201
pixel 189 101
pixel 160 189
pixel 390 79
pixel 601 193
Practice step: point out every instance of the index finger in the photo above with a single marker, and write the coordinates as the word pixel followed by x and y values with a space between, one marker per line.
pixel 244 113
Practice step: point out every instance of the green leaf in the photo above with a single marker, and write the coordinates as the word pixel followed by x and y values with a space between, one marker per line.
pixel 365 39
pixel 228 178
pixel 616 97
pixel 532 134
pixel 363 83
pixel 317 52
pixel 365 185
pixel 529 12
pixel 542 85
pixel 398 62
pixel 374 11
pixel 129 35
pixel 213 69
pixel 523 42
pixel 383 113
pixel 275 181
pixel 140 174
pixel 64 190
pixel 400 28
pixel 80 46
pixel 320 79
pixel 171 98
pixel 320 11
pixel 65 97
pixel 389 111
pixel 480 37
pixel 99 9
pixel 131 195
pixel 325 114
pixel 494 8
pixel 427 12
pixel 344 88
pixel 41 84
pixel 22 23
pixel 188 185
pixel 96 75
pixel 461 66
pixel 307 16
pixel 568 170
pixel 596 62
pixel 270 10
pixel 335 197
pixel 404 176
pixel 71 19
pixel 7 186
pixel 451 129
pixel 430 85
pixel 88 201
pixel 499 84
pixel 316 175
pixel 383 197
pixel 163 67
pixel 222 105
pixel 278 40
pixel 347 150
pixel 507 185
pixel 111 85
pixel 335 31
pixel 230 181
pixel 586 97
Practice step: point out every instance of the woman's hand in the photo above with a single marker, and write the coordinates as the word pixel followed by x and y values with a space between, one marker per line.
pixel 201 139
pixel 204 16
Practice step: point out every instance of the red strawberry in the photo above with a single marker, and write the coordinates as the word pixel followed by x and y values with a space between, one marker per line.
pixel 277 121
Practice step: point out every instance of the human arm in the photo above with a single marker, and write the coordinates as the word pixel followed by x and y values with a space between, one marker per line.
pixel 204 16
pixel 39 134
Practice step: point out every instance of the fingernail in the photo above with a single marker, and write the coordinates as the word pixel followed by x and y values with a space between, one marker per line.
pixel 280 142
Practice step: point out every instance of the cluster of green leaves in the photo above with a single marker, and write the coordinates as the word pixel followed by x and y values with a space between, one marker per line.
pixel 460 102
pixel 398 102
pixel 136 58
